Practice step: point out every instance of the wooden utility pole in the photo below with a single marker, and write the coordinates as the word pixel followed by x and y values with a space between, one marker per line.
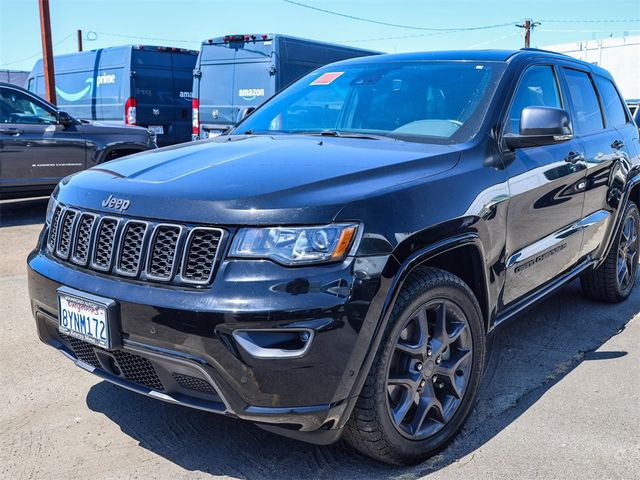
pixel 79 40
pixel 528 26
pixel 47 51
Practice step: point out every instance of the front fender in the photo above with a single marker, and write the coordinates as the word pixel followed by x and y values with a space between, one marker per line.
pixel 394 275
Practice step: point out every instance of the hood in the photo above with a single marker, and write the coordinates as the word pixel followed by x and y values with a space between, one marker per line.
pixel 91 127
pixel 255 180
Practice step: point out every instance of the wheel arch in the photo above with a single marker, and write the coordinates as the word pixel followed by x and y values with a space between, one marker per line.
pixel 631 193
pixel 634 192
pixel 439 254
pixel 461 255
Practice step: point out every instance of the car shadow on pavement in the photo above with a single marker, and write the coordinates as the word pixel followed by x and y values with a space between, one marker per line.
pixel 528 357
pixel 23 212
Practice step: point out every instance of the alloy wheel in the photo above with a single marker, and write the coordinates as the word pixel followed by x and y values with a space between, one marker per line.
pixel 628 253
pixel 429 369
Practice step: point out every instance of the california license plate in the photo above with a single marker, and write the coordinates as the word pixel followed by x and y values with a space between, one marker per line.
pixel 157 129
pixel 86 317
pixel 214 133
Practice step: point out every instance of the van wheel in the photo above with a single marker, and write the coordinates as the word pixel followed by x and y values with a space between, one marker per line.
pixel 613 280
pixel 426 374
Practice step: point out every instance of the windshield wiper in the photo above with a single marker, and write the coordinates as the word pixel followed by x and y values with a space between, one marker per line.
pixel 343 134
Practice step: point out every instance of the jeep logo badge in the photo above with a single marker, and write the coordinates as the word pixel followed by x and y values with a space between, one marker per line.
pixel 116 203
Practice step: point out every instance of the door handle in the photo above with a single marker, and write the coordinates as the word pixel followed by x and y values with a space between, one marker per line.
pixel 574 157
pixel 617 144
pixel 11 131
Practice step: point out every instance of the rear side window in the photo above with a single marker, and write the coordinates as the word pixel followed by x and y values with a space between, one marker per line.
pixel 538 88
pixel 611 103
pixel 585 101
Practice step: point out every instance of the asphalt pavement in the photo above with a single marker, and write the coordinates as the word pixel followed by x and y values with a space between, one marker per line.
pixel 560 399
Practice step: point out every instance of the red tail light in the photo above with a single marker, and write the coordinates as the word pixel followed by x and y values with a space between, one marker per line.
pixel 130 111
pixel 195 119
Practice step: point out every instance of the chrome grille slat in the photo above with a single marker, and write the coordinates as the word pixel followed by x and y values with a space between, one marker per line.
pixel 200 254
pixel 82 241
pixel 103 248
pixel 130 249
pixel 144 250
pixel 53 230
pixel 65 233
pixel 162 252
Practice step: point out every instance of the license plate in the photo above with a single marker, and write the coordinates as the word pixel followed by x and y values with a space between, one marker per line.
pixel 86 317
pixel 157 129
pixel 214 133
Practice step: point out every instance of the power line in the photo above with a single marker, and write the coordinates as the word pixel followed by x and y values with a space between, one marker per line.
pixel 39 53
pixel 493 40
pixel 400 37
pixel 397 25
pixel 138 37
pixel 625 20
pixel 563 30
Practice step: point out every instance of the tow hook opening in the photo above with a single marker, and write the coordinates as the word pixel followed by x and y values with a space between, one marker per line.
pixel 275 343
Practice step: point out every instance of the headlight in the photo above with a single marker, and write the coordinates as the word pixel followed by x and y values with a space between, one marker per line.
pixel 51 206
pixel 295 245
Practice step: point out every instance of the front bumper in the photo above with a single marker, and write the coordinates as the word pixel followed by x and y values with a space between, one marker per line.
pixel 178 343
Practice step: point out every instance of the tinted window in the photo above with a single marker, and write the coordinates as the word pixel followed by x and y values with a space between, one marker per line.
pixel 16 107
pixel 585 101
pixel 433 102
pixel 537 88
pixel 611 103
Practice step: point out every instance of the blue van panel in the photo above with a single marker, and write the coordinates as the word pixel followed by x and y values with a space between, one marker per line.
pixel 96 84
pixel 235 75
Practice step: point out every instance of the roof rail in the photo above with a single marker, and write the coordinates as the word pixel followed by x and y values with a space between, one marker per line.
pixel 531 49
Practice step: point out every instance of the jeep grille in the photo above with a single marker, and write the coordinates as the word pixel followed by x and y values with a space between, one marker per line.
pixel 159 252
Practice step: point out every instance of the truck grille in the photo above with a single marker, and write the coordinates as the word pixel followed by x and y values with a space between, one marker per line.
pixel 104 244
pixel 80 253
pixel 163 252
pixel 129 258
pixel 66 229
pixel 160 252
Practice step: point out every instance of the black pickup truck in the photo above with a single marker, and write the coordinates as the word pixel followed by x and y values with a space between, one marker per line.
pixel 40 144
pixel 334 264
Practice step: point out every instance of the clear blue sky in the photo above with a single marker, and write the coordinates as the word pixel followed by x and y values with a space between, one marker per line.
pixel 186 23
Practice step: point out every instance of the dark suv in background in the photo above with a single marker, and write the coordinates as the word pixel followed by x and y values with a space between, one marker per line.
pixel 40 145
pixel 334 264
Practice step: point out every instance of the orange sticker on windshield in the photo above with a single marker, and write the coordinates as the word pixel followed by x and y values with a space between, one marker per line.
pixel 326 78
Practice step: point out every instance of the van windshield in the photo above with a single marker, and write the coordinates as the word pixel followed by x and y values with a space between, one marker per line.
pixel 428 101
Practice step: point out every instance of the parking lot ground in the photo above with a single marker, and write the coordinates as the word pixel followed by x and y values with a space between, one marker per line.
pixel 560 399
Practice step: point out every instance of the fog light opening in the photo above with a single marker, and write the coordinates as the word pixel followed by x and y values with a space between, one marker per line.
pixel 275 343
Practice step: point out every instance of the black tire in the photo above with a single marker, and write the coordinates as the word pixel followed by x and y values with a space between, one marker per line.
pixel 608 282
pixel 371 428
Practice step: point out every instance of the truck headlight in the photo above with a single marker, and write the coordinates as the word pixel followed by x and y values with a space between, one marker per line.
pixel 295 245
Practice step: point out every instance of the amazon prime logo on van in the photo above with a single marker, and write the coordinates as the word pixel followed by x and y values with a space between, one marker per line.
pixel 250 93
pixel 102 79
pixel 119 204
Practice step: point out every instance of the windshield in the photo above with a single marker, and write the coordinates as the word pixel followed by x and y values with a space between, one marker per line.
pixel 432 102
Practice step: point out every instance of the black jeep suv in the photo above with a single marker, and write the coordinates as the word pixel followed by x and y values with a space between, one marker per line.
pixel 334 264
pixel 40 145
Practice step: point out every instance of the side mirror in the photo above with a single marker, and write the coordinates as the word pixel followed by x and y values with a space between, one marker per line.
pixel 65 119
pixel 244 113
pixel 540 126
